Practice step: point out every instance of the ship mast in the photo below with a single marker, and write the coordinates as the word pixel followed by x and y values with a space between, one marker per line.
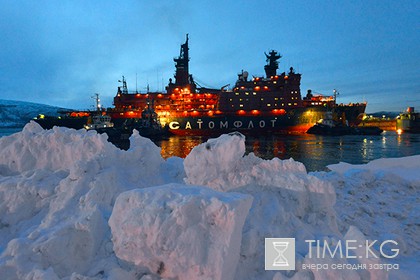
pixel 97 102
pixel 335 95
pixel 183 79
pixel 124 86
pixel 272 63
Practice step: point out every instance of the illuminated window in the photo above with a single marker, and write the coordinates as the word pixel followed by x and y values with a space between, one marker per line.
pixel 262 99
pixel 254 93
pixel 247 93
pixel 237 93
pixel 276 98
pixel 268 105
pixel 241 105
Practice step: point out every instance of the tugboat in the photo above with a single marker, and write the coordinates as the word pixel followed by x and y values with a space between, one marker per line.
pixel 333 126
pixel 148 125
pixel 329 126
pixel 99 121
pixel 408 121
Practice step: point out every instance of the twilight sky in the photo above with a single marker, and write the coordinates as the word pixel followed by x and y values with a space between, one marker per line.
pixel 63 52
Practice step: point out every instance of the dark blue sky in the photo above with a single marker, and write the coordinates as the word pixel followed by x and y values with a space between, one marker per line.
pixel 62 52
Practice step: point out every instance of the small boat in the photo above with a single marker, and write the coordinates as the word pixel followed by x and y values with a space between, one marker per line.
pixel 148 125
pixel 99 122
pixel 367 130
pixel 408 121
pixel 330 126
pixel 333 126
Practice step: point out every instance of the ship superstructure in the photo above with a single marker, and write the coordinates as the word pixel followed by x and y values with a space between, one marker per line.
pixel 259 104
pixel 272 103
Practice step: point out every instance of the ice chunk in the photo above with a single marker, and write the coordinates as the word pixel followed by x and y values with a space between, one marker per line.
pixel 178 231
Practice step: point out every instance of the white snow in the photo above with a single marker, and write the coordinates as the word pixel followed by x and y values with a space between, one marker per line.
pixel 180 231
pixel 73 206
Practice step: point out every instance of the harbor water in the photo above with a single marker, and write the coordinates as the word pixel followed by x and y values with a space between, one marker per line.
pixel 314 151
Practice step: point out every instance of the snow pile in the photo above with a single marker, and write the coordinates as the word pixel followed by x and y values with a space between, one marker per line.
pixel 381 198
pixel 73 206
pixel 180 231
pixel 287 201
pixel 57 190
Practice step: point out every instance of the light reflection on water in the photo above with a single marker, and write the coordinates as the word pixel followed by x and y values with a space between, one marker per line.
pixel 314 151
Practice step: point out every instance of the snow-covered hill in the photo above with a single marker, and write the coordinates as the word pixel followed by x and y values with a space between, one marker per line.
pixel 18 113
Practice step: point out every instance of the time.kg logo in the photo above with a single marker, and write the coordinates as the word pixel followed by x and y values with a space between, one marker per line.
pixel 279 254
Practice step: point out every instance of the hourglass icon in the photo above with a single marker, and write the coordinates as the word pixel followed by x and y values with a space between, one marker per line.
pixel 280 247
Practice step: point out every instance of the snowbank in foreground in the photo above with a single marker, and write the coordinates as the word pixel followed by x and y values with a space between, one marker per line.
pixel 180 231
pixel 72 206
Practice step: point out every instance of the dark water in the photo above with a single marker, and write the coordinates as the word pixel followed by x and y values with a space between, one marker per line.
pixel 314 151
